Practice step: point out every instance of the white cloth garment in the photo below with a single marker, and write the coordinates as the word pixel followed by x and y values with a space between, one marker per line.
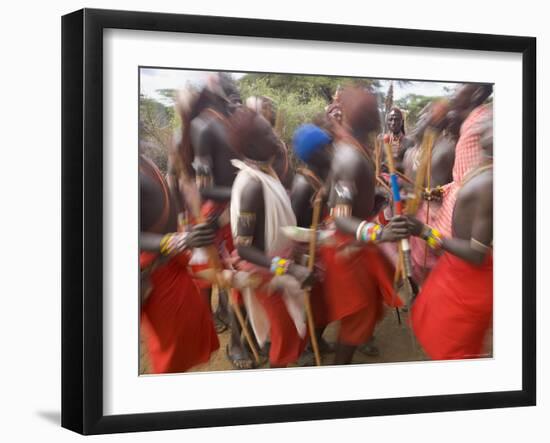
pixel 278 213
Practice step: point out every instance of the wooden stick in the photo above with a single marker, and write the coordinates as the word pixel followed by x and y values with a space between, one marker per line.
pixel 383 184
pixel 242 322
pixel 311 266
pixel 403 244
pixel 212 252
pixel 430 142
pixel 404 177
pixel 215 263
pixel 377 157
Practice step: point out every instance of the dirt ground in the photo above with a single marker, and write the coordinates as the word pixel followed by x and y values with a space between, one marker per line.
pixel 393 340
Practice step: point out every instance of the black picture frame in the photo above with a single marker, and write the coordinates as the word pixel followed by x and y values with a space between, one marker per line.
pixel 82 220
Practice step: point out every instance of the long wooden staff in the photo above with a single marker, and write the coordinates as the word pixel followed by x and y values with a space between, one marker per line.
pixel 423 182
pixel 311 265
pixel 215 263
pixel 403 245
pixel 429 189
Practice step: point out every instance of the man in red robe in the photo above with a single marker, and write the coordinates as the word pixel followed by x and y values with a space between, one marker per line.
pixel 453 312
pixel 358 277
pixel 176 323
pixel 467 110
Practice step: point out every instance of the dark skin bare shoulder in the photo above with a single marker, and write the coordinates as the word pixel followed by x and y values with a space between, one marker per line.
pixel 443 159
pixel 300 196
pixel 213 157
pixel 352 168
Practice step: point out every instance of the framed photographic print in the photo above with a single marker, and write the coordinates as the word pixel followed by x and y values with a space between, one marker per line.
pixel 270 221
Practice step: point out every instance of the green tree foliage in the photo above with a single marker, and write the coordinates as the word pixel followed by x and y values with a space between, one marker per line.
pixel 157 123
pixel 305 87
pixel 299 98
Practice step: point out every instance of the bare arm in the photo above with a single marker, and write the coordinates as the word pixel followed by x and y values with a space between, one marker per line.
pixel 345 173
pixel 395 230
pixel 176 242
pixel 252 202
pixel 476 248
pixel 204 138
pixel 149 241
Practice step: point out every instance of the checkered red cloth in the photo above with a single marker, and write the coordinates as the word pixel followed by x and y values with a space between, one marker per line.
pixel 468 155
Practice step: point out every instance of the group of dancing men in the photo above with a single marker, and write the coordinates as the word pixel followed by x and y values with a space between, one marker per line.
pixel 366 221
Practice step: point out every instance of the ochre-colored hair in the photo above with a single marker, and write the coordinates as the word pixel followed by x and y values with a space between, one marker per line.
pixel 244 130
pixel 360 108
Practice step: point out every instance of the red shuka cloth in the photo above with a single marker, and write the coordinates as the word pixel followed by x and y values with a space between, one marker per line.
pixel 223 239
pixel 356 285
pixel 318 305
pixel 286 344
pixel 175 320
pixel 454 309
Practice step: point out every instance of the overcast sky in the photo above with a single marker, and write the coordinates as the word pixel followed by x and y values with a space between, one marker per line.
pixel 154 79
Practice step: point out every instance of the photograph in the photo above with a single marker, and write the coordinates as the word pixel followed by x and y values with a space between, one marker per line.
pixel 296 221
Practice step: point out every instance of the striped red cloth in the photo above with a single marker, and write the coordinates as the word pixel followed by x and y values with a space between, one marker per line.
pixel 468 155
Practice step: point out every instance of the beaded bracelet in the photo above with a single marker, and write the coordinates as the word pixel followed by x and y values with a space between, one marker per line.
pixel 167 243
pixel 279 266
pixel 368 232
pixel 432 236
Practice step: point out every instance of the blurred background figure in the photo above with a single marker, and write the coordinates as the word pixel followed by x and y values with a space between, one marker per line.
pixel 396 138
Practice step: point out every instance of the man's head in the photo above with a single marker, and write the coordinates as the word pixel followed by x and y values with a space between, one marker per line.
pixel 252 136
pixel 470 96
pixel 360 110
pixel 465 99
pixel 264 106
pixel 395 121
pixel 313 145
pixel 438 114
pixel 224 88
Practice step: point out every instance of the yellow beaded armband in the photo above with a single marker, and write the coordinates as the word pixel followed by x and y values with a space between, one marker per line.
pixel 165 244
pixel 433 237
